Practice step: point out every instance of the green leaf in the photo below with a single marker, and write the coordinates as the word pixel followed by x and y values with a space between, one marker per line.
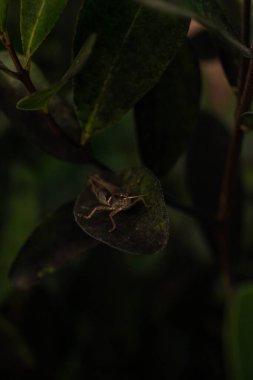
pixel 16 355
pixel 167 115
pixel 37 19
pixel 56 240
pixel 230 60
pixel 139 229
pixel 205 164
pixel 134 47
pixel 40 99
pixel 207 12
pixel 3 14
pixel 34 126
pixel 247 120
pixel 239 334
pixel 232 9
pixel 208 46
pixel 20 212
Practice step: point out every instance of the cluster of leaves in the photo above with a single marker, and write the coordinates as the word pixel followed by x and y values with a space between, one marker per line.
pixel 128 55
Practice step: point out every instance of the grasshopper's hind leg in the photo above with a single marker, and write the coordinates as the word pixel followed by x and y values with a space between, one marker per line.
pixel 97 208
pixel 111 215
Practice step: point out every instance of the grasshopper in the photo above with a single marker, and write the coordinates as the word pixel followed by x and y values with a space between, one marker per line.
pixel 111 198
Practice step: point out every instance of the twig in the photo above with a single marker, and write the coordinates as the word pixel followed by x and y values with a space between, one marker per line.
pixel 245 97
pixel 23 75
pixel 245 39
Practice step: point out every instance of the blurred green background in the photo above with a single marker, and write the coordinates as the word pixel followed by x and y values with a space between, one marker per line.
pixel 106 315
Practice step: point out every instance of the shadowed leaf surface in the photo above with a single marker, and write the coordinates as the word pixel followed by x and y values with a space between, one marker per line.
pixel 208 47
pixel 247 120
pixel 57 240
pixel 134 46
pixel 210 13
pixel 140 229
pixel 205 168
pixel 167 115
pixel 3 14
pixel 204 45
pixel 229 57
pixel 16 356
pixel 239 333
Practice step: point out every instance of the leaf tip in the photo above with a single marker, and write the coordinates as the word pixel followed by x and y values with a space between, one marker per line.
pixel 84 137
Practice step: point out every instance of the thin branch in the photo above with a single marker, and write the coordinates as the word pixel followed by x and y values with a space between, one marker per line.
pixel 12 53
pixel 23 75
pixel 245 39
pixel 235 147
pixel 245 96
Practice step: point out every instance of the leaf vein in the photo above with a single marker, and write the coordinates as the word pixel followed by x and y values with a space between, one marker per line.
pixel 35 25
pixel 109 75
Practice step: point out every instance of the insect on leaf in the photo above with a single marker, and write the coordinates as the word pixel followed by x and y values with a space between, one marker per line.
pixel 142 228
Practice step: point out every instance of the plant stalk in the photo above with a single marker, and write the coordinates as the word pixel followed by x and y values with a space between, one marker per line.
pixel 245 96
pixel 22 74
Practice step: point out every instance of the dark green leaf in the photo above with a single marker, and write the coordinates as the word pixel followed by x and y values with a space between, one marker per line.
pixel 205 169
pixel 209 45
pixel 167 115
pixel 239 334
pixel 140 229
pixel 134 46
pixel 37 20
pixel 232 9
pixel 205 163
pixel 19 210
pixel 207 12
pixel 230 61
pixel 57 240
pixel 3 14
pixel 16 357
pixel 40 99
pixel 247 120
pixel 63 144
pixel 204 46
